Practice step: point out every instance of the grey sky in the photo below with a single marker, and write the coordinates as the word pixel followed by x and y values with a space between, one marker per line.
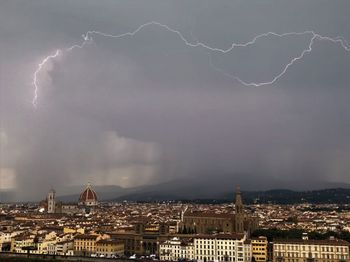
pixel 146 109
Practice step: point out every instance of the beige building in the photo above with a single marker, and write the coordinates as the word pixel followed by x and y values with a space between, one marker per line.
pixel 18 243
pixel 109 248
pixel 259 249
pixel 85 245
pixel 223 247
pixel 304 250
pixel 176 249
pixel 67 230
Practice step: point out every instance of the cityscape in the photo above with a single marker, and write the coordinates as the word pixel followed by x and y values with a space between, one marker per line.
pixel 174 231
pixel 175 131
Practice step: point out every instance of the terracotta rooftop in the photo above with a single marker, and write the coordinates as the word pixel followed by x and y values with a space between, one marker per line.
pixel 208 214
pixel 85 236
pixel 234 236
pixel 88 195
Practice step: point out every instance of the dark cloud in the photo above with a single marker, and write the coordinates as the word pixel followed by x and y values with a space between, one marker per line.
pixel 146 109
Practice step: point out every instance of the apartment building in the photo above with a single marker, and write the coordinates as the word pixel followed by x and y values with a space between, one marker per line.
pixel 176 249
pixel 259 249
pixel 305 250
pixel 85 245
pixel 223 247
pixel 109 248
pixel 60 248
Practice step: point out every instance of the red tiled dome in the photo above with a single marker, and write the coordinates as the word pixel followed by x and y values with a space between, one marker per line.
pixel 88 195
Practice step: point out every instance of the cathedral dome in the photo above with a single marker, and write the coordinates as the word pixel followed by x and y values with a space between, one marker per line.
pixel 88 197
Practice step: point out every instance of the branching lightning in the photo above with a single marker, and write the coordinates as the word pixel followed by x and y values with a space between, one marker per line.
pixel 88 37
pixel 37 71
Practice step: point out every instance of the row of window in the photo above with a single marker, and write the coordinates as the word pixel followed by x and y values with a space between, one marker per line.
pixel 106 250
pixel 297 260
pixel 220 247
pixel 84 243
pixel 218 258
pixel 309 247
pixel 173 246
pixel 259 253
pixel 315 255
pixel 204 252
pixel 84 248
pixel 259 248
pixel 220 242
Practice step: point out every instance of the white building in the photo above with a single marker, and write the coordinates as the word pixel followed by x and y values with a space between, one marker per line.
pixel 219 247
pixel 60 248
pixel 175 249
pixel 223 247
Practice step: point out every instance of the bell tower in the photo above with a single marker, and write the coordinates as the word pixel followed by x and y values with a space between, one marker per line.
pixel 239 216
pixel 51 202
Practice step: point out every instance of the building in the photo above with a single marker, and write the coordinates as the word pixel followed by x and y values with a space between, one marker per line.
pixel 176 249
pixel 109 248
pixel 60 248
pixel 206 223
pixel 305 250
pixel 50 205
pixel 20 242
pixel 88 200
pixel 88 197
pixel 87 203
pixel 5 240
pixel 67 230
pixel 51 202
pixel 223 247
pixel 259 249
pixel 142 239
pixel 85 245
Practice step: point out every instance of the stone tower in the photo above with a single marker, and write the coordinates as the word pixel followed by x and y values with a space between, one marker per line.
pixel 239 216
pixel 51 202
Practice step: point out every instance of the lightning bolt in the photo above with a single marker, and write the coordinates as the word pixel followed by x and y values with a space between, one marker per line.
pixel 46 60
pixel 37 71
pixel 87 37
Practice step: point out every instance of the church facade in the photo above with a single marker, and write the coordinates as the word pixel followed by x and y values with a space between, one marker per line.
pixel 203 222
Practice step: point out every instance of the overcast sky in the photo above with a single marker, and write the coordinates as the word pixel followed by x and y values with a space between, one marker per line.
pixel 146 109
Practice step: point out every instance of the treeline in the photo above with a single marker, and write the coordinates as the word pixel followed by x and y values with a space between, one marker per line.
pixel 275 233
pixel 340 196
pixel 324 196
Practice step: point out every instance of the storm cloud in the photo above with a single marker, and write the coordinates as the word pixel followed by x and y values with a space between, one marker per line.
pixel 147 109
